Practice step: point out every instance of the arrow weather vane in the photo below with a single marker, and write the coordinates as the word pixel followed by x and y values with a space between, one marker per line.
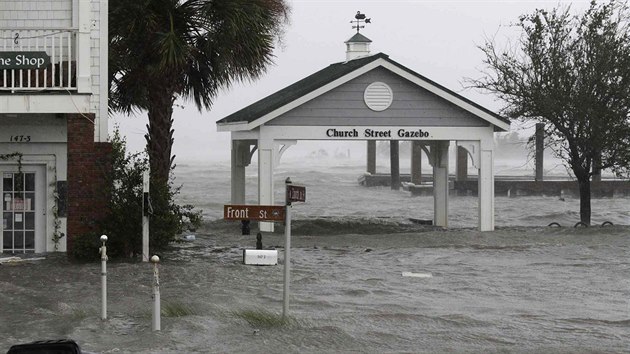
pixel 359 19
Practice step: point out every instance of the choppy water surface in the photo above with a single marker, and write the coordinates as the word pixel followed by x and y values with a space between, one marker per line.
pixel 526 288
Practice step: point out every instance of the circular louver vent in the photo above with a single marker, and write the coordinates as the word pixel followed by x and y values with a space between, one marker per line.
pixel 378 96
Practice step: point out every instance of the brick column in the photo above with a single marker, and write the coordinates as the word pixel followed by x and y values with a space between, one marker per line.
pixel 89 167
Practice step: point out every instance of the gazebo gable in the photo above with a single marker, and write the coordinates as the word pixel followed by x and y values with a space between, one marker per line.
pixel 407 105
pixel 416 100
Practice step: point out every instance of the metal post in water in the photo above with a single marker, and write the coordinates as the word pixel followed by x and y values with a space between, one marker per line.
pixel 156 294
pixel 245 228
pixel 540 150
pixel 371 156
pixel 394 158
pixel 416 162
pixel 461 165
pixel 287 254
pixel 103 251
pixel 146 210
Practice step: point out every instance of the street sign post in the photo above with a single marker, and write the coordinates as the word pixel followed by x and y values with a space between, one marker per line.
pixel 293 194
pixel 254 212
pixel 273 213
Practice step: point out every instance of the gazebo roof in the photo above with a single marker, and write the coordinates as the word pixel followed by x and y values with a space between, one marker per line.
pixel 272 105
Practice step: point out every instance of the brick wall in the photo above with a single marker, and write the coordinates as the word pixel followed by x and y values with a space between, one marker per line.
pixel 89 165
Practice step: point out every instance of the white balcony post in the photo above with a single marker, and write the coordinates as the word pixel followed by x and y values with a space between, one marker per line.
pixel 84 81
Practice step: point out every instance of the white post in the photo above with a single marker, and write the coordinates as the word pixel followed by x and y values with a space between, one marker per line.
pixel 103 251
pixel 486 189
pixel 145 215
pixel 287 255
pixel 84 78
pixel 156 294
pixel 440 183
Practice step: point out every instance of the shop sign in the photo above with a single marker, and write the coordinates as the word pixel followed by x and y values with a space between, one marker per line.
pixel 23 60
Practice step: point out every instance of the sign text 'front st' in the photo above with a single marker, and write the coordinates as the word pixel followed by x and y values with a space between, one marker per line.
pixel 254 212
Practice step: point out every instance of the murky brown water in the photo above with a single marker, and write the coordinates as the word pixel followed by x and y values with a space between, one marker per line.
pixel 533 290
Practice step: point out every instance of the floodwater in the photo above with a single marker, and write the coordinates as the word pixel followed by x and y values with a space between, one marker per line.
pixel 524 288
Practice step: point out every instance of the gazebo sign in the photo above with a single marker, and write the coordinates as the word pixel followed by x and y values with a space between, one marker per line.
pixel 23 60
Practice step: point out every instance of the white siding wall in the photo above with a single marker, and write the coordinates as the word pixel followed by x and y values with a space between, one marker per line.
pixel 411 106
pixel 98 101
pixel 35 13
pixel 42 14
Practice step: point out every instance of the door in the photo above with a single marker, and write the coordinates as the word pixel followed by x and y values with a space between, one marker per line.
pixel 23 209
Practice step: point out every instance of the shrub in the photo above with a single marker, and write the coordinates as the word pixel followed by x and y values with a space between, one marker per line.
pixel 123 223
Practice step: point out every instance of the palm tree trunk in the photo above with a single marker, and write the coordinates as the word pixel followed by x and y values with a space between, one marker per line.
pixel 160 134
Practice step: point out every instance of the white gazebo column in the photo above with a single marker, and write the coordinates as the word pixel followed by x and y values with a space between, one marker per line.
pixel 240 159
pixel 439 150
pixel 486 186
pixel 265 178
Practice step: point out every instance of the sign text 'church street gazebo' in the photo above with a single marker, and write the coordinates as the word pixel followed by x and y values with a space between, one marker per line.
pixel 404 133
pixel 23 60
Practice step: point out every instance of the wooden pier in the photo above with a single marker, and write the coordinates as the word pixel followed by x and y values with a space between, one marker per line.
pixel 510 186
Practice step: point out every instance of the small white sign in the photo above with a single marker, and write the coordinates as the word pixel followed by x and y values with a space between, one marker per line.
pixel 260 257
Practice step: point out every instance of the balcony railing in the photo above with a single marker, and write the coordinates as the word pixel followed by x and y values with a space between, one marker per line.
pixel 59 44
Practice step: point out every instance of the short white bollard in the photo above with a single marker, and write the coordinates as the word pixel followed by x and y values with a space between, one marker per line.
pixel 156 293
pixel 103 251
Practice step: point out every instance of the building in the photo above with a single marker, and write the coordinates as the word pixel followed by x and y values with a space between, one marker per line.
pixel 54 154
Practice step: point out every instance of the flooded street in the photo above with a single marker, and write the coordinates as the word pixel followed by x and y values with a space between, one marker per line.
pixel 524 288
pixel 512 290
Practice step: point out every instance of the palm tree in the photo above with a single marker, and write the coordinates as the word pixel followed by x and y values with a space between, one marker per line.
pixel 162 50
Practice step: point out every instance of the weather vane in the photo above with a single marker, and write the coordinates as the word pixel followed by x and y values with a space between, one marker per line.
pixel 359 19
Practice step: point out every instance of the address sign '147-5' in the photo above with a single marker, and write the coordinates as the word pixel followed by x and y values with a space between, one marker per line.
pixel 24 60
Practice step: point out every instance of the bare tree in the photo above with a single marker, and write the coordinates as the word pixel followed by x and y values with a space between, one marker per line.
pixel 571 73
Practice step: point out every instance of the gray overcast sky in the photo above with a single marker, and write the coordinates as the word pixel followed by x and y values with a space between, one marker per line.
pixel 437 39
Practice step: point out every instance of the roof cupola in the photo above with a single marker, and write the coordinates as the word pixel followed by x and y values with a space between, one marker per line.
pixel 358 45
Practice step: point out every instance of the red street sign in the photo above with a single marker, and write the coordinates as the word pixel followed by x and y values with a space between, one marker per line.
pixel 296 193
pixel 254 212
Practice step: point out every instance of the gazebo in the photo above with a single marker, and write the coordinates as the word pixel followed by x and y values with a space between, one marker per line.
pixel 366 97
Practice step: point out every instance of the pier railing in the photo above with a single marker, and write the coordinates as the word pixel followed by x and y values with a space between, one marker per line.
pixel 60 44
